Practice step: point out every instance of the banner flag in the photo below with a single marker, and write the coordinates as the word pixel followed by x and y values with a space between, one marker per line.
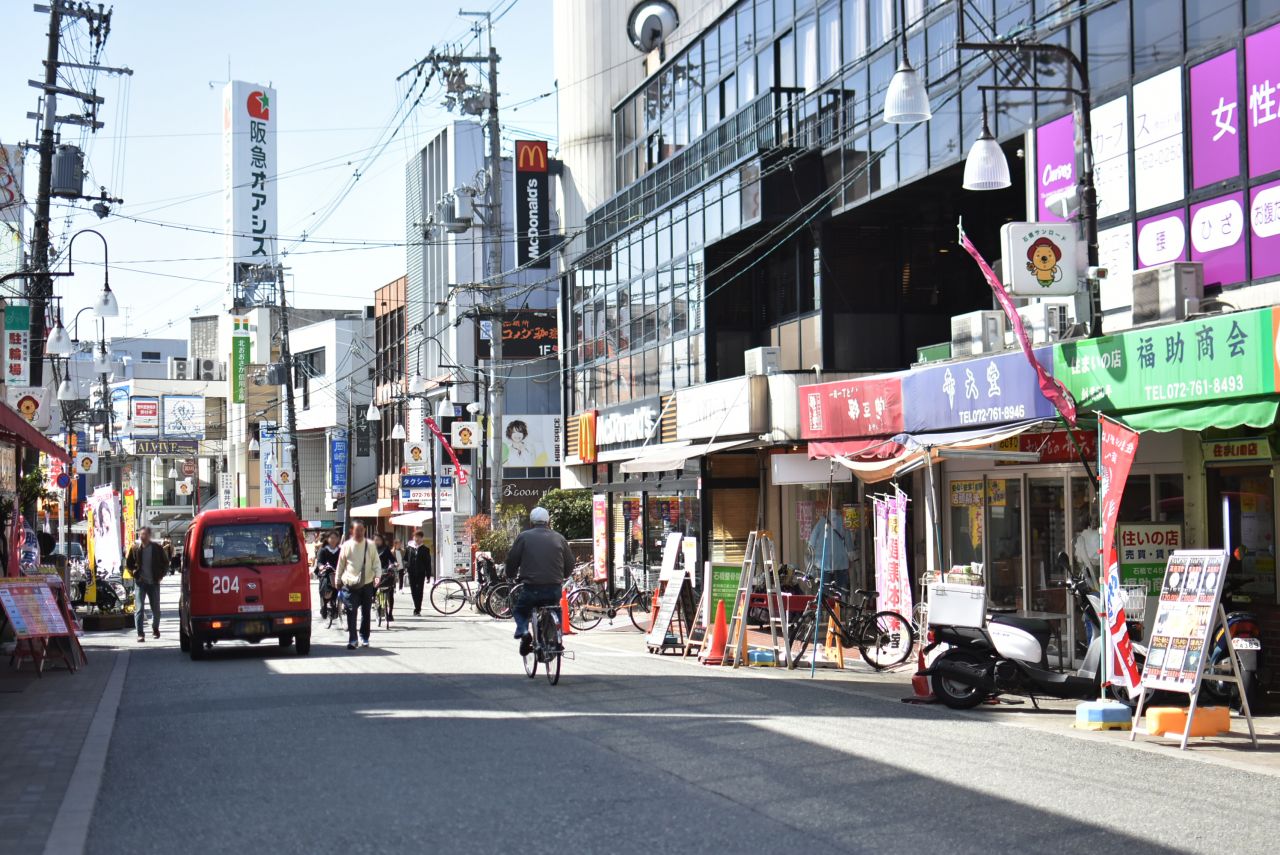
pixel 1049 387
pixel 1117 447
pixel 461 473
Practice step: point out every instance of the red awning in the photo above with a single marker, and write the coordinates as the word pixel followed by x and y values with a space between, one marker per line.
pixel 15 428
pixel 879 448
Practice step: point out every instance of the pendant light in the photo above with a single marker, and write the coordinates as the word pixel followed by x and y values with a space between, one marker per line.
pixel 906 101
pixel 986 167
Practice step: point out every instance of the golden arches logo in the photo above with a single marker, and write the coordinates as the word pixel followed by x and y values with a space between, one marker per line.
pixel 531 156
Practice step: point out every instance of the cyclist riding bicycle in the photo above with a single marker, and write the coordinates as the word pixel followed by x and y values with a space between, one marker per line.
pixel 326 564
pixel 541 560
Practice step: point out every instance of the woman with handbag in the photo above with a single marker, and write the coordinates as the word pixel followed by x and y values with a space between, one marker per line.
pixel 358 571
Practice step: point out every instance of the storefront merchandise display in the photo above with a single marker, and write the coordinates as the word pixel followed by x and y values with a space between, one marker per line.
pixel 1189 597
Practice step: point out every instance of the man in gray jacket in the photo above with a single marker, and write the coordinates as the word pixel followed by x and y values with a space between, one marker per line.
pixel 148 563
pixel 540 558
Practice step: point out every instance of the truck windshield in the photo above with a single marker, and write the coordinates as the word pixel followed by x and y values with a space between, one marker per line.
pixel 248 544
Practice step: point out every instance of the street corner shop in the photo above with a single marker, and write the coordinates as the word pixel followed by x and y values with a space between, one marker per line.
pixel 1202 393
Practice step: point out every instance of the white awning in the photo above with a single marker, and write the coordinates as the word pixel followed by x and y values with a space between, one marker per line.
pixel 380 508
pixel 668 459
pixel 886 458
pixel 412 519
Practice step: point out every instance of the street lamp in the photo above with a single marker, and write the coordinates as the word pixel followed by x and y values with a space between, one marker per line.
pixel 101 363
pixel 906 101
pixel 104 445
pixel 173 473
pixel 67 390
pixel 58 343
pixel 254 445
pixel 372 414
pixel 417 384
pixel 105 304
pixel 398 432
pixel 986 168
pixel 983 155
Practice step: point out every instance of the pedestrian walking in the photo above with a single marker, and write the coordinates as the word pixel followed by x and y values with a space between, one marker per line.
pixel 397 561
pixel 358 569
pixel 386 578
pixel 418 556
pixel 148 564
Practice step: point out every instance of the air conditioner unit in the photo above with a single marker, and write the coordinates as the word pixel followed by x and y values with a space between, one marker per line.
pixel 1167 292
pixel 762 361
pixel 1044 322
pixel 977 332
pixel 208 369
pixel 179 368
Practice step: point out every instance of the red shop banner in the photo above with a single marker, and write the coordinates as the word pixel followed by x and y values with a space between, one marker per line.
pixel 1119 447
pixel 851 408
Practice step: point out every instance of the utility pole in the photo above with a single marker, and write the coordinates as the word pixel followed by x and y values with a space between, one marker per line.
pixel 290 414
pixel 493 270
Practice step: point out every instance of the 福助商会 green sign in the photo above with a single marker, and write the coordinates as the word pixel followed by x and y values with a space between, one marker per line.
pixel 1209 359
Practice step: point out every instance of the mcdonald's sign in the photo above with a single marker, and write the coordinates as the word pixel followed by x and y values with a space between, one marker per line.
pixel 531 156
pixel 587 436
pixel 533 217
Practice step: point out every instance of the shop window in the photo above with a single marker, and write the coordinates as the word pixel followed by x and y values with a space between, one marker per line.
pixel 882 13
pixel 746 30
pixel 1169 499
pixel 1245 496
pixel 1210 22
pixel 913 152
pixel 829 41
pixel 885 174
pixel 942 48
pixel 1135 504
pixel 944 131
pixel 807 54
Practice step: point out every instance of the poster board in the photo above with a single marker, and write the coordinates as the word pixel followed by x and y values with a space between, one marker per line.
pixel 1187 612
pixel 673 580
pixel 31 609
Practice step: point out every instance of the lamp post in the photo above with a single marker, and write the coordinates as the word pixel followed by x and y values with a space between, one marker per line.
pixel 985 151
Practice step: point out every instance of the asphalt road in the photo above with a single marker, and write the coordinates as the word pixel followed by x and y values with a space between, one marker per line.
pixel 433 740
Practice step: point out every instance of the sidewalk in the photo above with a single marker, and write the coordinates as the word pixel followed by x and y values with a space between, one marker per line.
pixel 1052 716
pixel 45 721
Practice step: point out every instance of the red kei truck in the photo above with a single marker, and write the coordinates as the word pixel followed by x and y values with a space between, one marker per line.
pixel 245 578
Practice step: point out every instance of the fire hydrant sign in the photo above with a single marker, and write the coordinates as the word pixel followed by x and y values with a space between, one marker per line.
pixel 31 609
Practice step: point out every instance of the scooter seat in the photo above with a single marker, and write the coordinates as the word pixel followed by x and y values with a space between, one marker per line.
pixel 1035 627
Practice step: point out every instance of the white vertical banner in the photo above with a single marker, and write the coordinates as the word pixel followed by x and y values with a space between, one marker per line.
pixel 896 593
pixel 880 509
pixel 106 529
pixel 268 464
pixel 11 207
pixel 249 121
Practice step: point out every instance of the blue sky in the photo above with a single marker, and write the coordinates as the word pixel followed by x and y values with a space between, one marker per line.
pixel 334 66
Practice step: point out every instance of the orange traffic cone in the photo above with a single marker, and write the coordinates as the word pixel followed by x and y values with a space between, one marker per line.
pixel 919 682
pixel 566 628
pixel 653 607
pixel 719 637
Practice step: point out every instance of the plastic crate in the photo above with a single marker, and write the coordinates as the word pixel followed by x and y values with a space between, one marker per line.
pixel 1134 600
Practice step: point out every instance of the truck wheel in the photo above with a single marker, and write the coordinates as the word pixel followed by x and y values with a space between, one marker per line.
pixel 184 640
pixel 197 647
pixel 285 640
pixel 304 643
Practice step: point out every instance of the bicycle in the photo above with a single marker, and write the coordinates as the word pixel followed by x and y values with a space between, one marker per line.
pixel 548 643
pixel 588 606
pixel 448 596
pixel 885 638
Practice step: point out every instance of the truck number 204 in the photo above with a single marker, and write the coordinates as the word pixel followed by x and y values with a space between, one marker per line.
pixel 226 584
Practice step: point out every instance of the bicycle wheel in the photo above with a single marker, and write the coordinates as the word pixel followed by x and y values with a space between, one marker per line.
pixel 886 639
pixel 641 610
pixel 920 618
pixel 498 601
pixel 531 658
pixel 549 638
pixel 586 609
pixel 801 631
pixel 448 596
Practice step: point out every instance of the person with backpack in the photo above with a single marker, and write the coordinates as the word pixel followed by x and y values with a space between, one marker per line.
pixel 325 566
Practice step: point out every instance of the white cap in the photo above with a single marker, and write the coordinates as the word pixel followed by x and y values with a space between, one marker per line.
pixel 540 516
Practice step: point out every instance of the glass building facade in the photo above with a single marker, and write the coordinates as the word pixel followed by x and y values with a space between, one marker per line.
pixel 706 148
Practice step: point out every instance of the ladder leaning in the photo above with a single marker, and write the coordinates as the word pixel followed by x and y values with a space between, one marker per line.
pixel 759 545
